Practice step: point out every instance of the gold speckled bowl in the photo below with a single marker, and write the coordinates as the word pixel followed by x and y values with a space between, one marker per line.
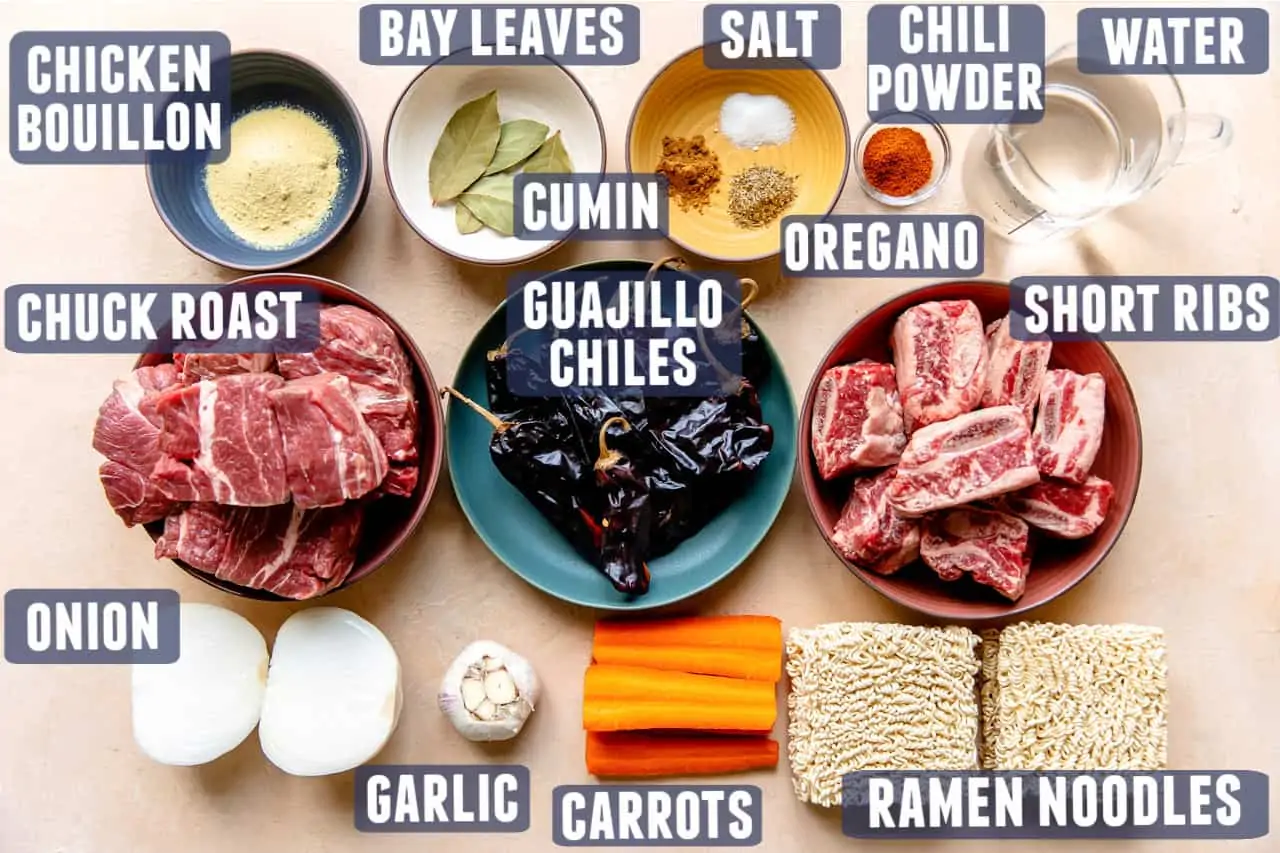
pixel 684 100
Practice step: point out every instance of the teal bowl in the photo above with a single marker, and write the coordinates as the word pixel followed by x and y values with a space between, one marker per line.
pixel 527 543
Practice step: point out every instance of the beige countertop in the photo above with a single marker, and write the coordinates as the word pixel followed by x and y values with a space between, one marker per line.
pixel 1198 557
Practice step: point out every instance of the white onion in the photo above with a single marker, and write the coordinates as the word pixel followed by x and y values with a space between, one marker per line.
pixel 333 693
pixel 206 703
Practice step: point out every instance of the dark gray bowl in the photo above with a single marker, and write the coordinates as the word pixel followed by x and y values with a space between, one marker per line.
pixel 261 77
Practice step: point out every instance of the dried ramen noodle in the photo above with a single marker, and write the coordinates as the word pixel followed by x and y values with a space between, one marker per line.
pixel 1075 697
pixel 868 696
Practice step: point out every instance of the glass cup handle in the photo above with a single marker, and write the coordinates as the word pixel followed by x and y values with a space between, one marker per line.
pixel 1207 134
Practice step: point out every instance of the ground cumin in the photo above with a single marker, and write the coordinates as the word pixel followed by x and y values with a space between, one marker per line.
pixel 692 171
pixel 897 161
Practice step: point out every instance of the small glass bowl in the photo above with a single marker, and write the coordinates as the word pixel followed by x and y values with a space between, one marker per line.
pixel 939 147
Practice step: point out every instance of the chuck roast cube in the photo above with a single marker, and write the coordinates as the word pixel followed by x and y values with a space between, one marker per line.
pixel 210 365
pixel 974 457
pixel 331 454
pixel 869 533
pixel 940 353
pixel 1073 412
pixel 363 348
pixel 127 432
pixel 128 427
pixel 283 549
pixel 222 442
pixel 1015 369
pixel 991 546
pixel 133 495
pixel 857 419
pixel 1065 509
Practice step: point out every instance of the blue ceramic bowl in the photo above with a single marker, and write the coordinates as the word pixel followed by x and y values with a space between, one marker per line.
pixel 259 78
pixel 527 543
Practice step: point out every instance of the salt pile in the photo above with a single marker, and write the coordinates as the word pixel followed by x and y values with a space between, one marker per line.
pixel 754 120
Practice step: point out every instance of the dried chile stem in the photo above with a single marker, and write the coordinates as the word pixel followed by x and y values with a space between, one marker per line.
pixel 609 457
pixel 494 421
pixel 749 292
pixel 505 348
pixel 730 381
pixel 674 261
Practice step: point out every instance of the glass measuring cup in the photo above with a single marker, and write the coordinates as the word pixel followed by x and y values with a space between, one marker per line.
pixel 1104 141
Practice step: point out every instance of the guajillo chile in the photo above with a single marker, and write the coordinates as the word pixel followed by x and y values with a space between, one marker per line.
pixel 533 456
pixel 625 517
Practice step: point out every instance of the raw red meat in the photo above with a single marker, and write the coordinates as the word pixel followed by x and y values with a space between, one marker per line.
pixel 283 549
pixel 222 442
pixel 331 454
pixel 128 427
pixel 363 348
pixel 991 546
pixel 1067 510
pixel 128 434
pixel 870 534
pixel 133 495
pixel 1015 369
pixel 857 419
pixel 940 351
pixel 973 457
pixel 210 365
pixel 1073 411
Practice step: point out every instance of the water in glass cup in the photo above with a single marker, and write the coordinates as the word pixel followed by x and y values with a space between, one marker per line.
pixel 1103 142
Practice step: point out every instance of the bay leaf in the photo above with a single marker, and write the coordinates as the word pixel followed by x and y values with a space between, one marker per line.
pixel 492 200
pixel 465 220
pixel 550 157
pixel 465 148
pixel 519 138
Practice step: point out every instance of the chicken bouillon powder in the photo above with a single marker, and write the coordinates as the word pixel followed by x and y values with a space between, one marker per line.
pixel 279 182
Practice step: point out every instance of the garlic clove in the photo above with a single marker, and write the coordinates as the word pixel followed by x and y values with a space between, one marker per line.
pixel 500 687
pixel 473 693
pixel 492 664
pixel 487 710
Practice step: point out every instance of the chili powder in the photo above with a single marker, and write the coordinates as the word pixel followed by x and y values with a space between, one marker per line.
pixel 897 161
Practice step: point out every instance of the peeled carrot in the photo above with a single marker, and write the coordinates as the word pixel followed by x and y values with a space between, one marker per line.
pixel 615 715
pixel 741 632
pixel 633 755
pixel 756 664
pixel 609 681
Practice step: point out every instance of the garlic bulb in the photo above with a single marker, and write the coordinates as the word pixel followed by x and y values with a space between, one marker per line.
pixel 488 692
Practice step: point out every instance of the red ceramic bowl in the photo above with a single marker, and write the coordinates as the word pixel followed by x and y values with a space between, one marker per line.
pixel 1057 565
pixel 390 520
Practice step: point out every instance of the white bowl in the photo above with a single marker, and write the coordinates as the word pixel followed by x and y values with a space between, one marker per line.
pixel 545 91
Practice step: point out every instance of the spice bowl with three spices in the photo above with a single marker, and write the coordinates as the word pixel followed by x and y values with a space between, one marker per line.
pixel 740 150
pixel 902 158
pixel 294 178
pixel 462 131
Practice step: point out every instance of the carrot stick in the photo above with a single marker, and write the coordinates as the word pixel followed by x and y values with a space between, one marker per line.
pixel 634 755
pixel 609 681
pixel 756 664
pixel 614 715
pixel 742 632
